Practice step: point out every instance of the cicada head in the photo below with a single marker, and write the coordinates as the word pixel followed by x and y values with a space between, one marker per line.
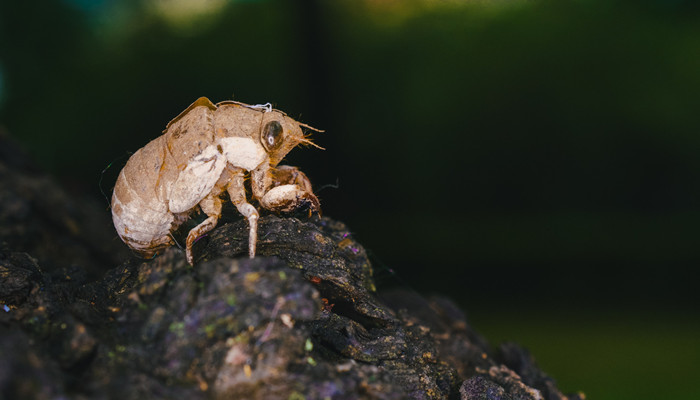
pixel 279 134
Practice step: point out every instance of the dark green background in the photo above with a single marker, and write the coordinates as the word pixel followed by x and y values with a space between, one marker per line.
pixel 537 161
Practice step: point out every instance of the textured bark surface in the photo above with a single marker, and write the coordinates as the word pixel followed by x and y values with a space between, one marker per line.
pixel 80 318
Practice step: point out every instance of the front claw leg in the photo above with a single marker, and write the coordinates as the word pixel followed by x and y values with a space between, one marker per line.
pixel 287 198
pixel 291 189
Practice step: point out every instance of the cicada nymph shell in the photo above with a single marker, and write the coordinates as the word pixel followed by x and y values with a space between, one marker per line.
pixel 207 150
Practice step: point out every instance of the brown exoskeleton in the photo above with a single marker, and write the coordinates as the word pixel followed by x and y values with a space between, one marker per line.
pixel 204 151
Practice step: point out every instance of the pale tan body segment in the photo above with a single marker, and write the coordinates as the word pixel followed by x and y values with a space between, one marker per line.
pixel 206 150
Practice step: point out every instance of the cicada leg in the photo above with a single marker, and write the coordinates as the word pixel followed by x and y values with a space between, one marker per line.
pixel 211 206
pixel 236 191
pixel 290 190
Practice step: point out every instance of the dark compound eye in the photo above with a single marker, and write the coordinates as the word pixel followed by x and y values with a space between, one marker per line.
pixel 272 135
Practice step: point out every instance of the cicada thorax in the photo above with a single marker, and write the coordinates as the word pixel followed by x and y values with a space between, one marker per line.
pixel 239 128
pixel 236 120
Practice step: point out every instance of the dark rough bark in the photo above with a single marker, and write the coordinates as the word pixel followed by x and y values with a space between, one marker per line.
pixel 302 320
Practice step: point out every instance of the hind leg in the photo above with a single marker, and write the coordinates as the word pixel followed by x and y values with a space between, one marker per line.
pixel 211 206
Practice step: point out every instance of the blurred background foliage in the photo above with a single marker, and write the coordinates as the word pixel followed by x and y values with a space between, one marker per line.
pixel 537 161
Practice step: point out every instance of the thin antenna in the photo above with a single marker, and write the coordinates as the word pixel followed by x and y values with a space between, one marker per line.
pixel 309 142
pixel 310 127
